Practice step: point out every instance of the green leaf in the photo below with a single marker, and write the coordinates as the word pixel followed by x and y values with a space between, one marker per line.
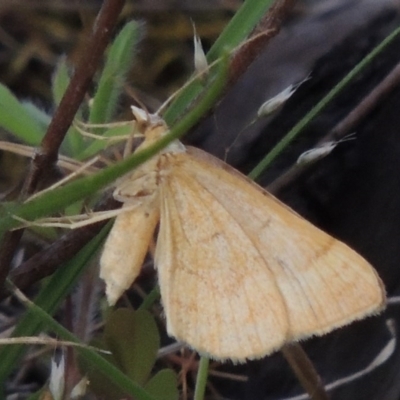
pixel 17 118
pixel 118 63
pixel 60 80
pixel 37 114
pixel 163 385
pixel 133 338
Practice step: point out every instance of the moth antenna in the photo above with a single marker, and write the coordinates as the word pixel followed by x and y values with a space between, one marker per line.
pixel 86 125
pixel 81 170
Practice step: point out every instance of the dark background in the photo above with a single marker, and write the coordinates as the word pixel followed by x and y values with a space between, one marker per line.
pixel 354 193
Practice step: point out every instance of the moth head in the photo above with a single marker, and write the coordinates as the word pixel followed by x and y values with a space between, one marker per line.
pixel 152 126
pixel 145 120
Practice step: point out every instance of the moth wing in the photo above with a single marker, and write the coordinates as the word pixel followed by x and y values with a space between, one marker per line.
pixel 324 283
pixel 218 296
pixel 126 248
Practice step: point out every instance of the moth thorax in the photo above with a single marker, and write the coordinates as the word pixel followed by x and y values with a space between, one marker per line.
pixel 175 147
pixel 154 133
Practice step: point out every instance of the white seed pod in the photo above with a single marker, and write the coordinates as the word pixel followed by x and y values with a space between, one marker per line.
pixel 200 60
pixel 79 389
pixel 273 104
pixel 321 151
pixel 57 379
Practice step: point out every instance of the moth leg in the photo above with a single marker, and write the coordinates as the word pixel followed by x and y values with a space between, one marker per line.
pixel 65 162
pixel 74 221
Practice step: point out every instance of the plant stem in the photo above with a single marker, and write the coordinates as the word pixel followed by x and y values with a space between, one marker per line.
pixel 201 380
pixel 304 370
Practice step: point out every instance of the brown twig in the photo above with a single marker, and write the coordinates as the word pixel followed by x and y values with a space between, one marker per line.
pixel 369 102
pixel 46 156
pixel 265 30
pixel 304 370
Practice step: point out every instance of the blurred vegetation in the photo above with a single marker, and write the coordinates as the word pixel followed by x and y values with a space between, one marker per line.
pixel 34 37
pixel 35 34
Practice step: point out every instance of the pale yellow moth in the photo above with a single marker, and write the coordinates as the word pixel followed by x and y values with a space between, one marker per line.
pixel 240 273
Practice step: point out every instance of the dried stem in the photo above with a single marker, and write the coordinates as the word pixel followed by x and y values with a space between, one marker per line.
pixel 369 102
pixel 304 370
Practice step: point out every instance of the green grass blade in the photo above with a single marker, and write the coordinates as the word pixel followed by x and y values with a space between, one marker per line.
pixel 118 63
pixel 60 80
pixel 239 27
pixel 201 380
pixel 43 119
pixel 97 145
pixel 18 118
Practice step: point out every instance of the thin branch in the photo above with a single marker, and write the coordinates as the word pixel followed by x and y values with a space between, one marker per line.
pixel 304 370
pixel 80 82
pixel 262 34
pixel 45 159
pixel 369 103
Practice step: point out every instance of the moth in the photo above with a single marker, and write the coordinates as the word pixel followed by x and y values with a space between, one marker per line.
pixel 240 273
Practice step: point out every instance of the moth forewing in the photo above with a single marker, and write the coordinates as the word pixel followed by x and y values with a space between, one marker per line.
pixel 126 248
pixel 133 230
pixel 325 284
pixel 217 294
